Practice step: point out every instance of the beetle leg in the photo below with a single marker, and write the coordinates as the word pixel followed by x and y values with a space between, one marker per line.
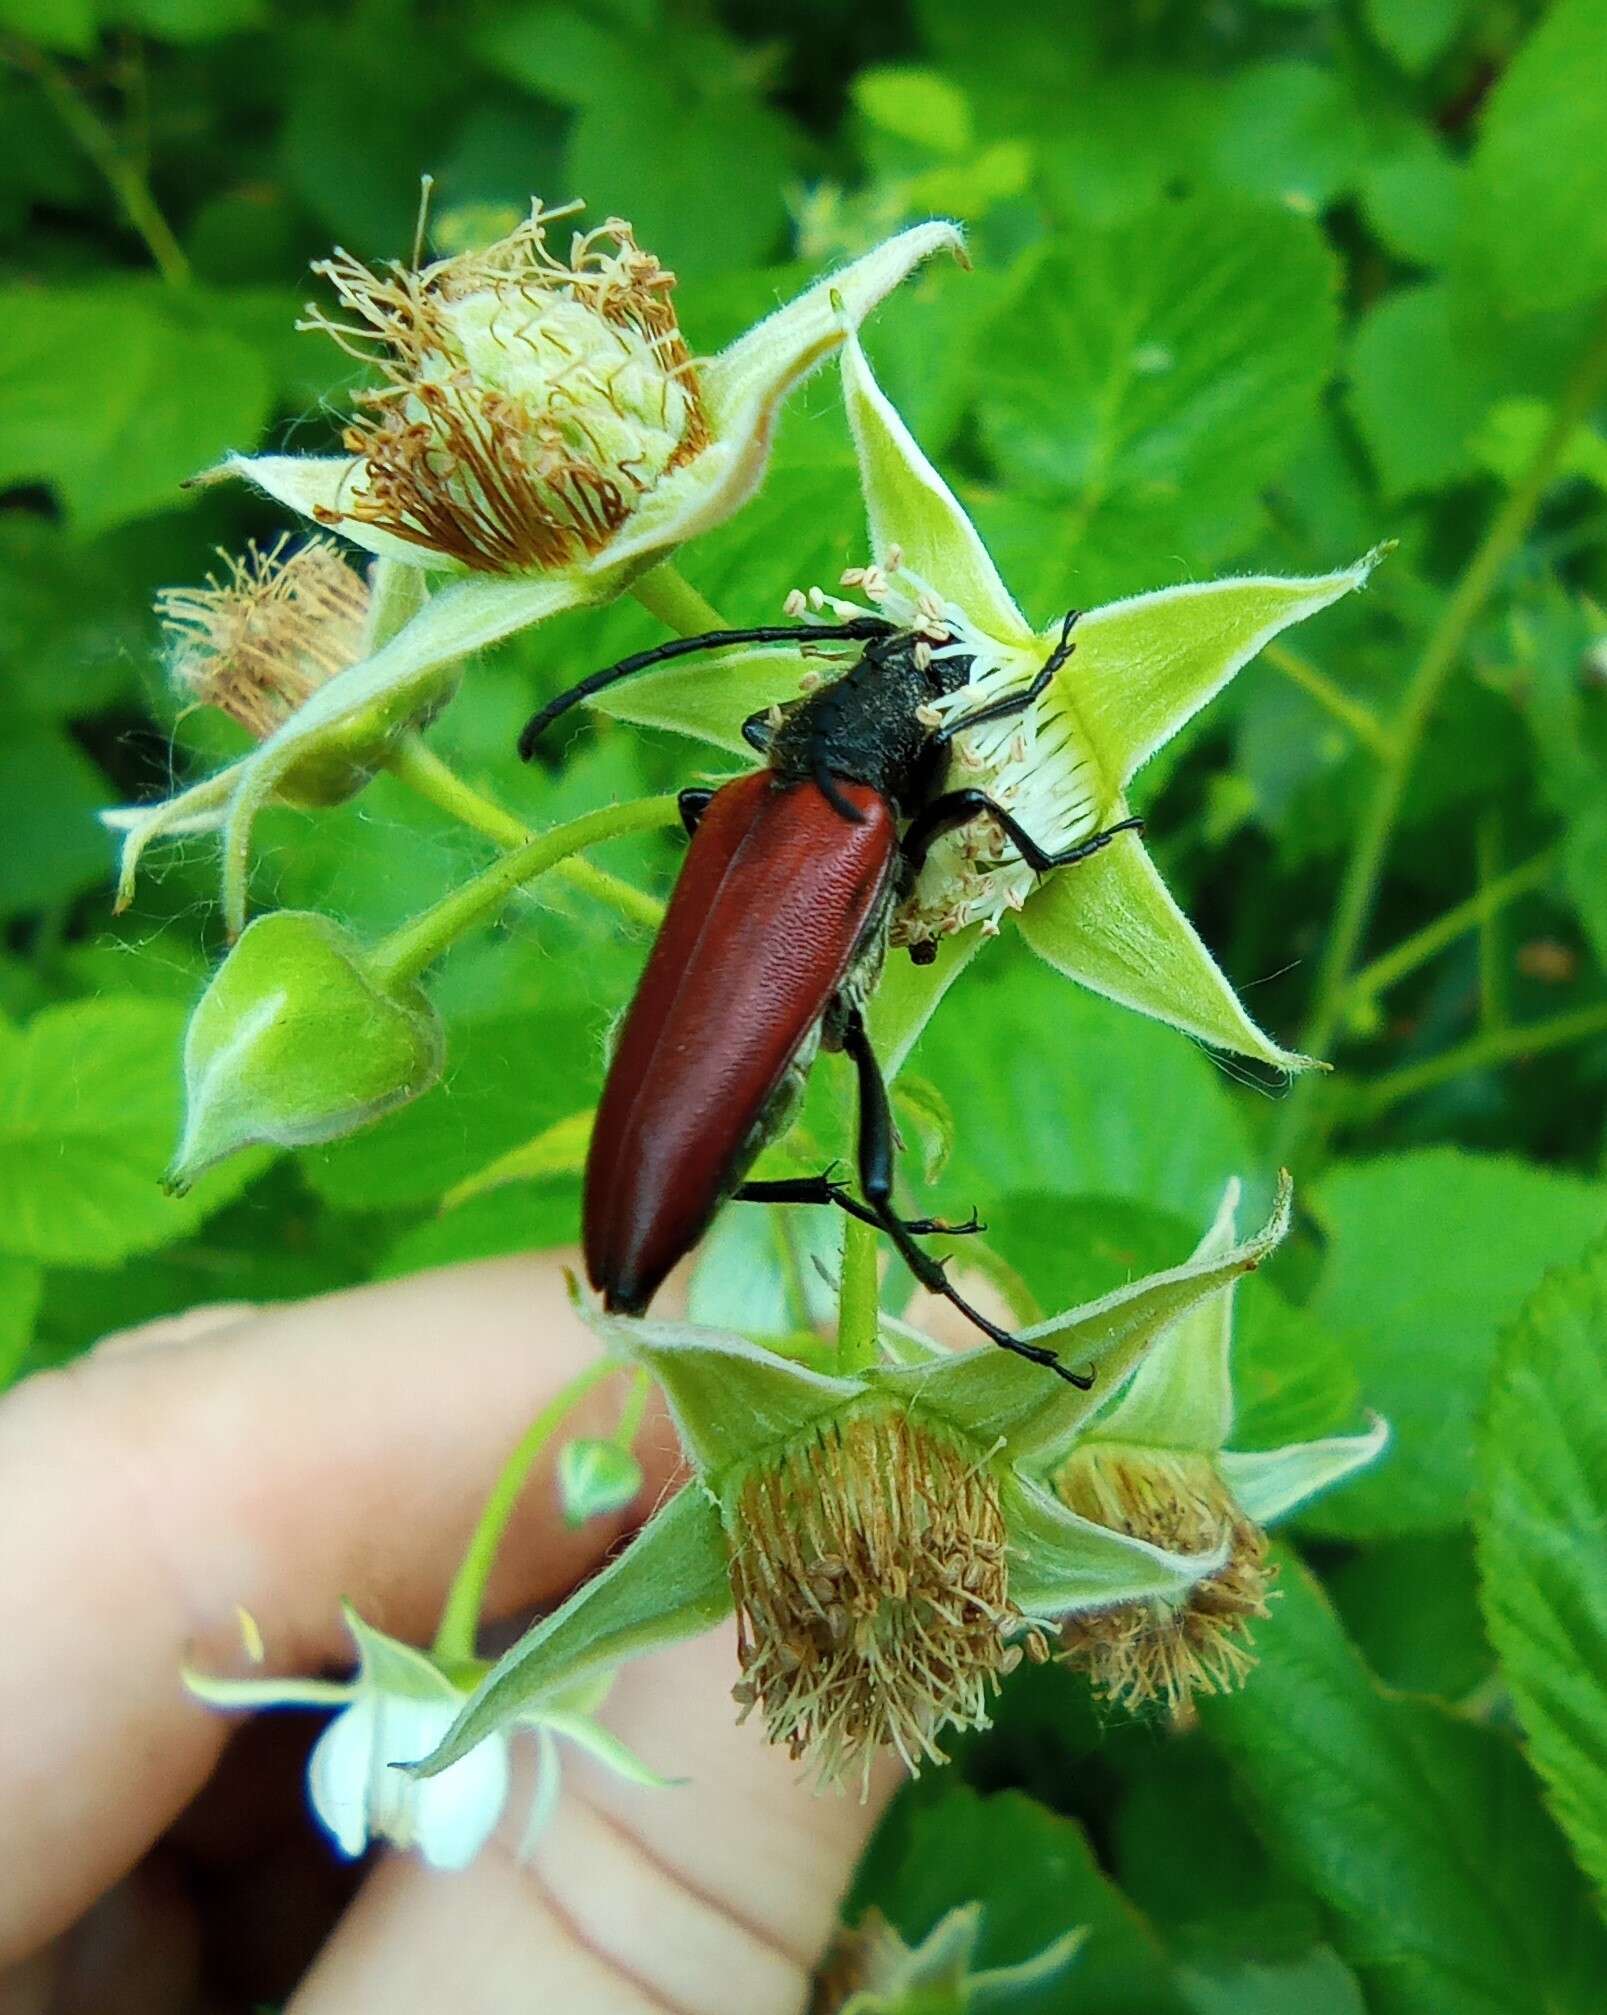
pixel 876 1180
pixel 692 803
pixel 822 1189
pixel 1016 703
pixel 957 808
pixel 860 628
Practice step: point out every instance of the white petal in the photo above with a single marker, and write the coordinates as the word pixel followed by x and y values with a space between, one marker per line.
pixel 1271 1481
pixel 454 1814
pixel 745 386
pixel 911 507
pixel 324 489
pixel 337 1775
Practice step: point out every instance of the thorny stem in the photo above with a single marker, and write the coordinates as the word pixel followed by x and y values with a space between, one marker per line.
pixel 419 942
pixel 97 140
pixel 460 1619
pixel 1422 945
pixel 1362 722
pixel 1462 609
pixel 1491 1046
pixel 417 765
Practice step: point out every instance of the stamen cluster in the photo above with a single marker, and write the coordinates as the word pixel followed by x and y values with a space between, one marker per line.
pixel 279 624
pixel 1036 764
pixel 1148 1652
pixel 869 1572
pixel 528 403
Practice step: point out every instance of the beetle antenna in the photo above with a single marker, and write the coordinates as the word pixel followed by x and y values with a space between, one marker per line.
pixel 860 629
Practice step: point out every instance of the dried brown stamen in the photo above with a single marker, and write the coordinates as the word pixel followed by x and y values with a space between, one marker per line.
pixel 871 1589
pixel 260 641
pixel 1148 1651
pixel 527 404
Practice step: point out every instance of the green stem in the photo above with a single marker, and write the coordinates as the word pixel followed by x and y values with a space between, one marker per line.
pixel 666 593
pixel 630 1414
pixel 1362 722
pixel 1422 945
pixel 125 181
pixel 415 764
pixel 858 1312
pixel 460 1619
pixel 418 943
pixel 1376 828
pixel 1490 1046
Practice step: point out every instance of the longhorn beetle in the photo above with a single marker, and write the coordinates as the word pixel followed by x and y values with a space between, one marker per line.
pixel 771 945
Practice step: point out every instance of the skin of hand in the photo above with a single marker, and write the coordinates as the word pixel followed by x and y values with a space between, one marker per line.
pixel 158 1856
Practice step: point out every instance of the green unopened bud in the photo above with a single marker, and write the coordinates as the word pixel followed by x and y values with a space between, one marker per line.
pixel 596 1478
pixel 297 1040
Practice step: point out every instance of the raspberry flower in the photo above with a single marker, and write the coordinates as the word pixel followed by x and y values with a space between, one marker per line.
pixel 540 436
pixel 1155 1466
pixel 399 1699
pixel 890 1542
pixel 1135 672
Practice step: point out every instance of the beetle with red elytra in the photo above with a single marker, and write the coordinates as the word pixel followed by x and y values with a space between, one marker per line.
pixel 772 944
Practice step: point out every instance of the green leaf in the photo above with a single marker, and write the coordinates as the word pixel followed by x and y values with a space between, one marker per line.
pixel 185 21
pixel 1125 146
pixel 69 26
pixel 21 1286
pixel 49 839
pixel 1035 1875
pixel 1541 210
pixel 1450 1889
pixel 117 393
pixel 1542 1534
pixel 1412 1606
pixel 559 1149
pixel 1414 198
pixel 1290 132
pixel 1417 391
pixel 1429 1254
pixel 1028 1064
pixel 1416 32
pixel 89 1107
pixel 916 105
pixel 1157 375
pixel 504 1075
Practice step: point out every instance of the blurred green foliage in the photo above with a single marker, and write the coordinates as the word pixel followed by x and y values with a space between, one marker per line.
pixel 1256 285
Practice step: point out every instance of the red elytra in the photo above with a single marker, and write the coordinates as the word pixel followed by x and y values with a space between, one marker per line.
pixel 775 897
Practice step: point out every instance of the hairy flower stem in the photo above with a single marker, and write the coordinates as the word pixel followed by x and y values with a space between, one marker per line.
pixel 858 1332
pixel 418 943
pixel 1370 845
pixel 416 765
pixel 460 1619
pixel 666 593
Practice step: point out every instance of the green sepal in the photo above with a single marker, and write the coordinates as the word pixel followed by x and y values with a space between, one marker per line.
pixel 670 1583
pixel 730 1399
pixel 1061 1563
pixel 994 1394
pixel 936 1977
pixel 294 1042
pixel 1270 1482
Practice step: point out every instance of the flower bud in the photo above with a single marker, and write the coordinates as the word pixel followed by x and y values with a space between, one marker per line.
pixel 260 641
pixel 295 1041
pixel 528 403
pixel 1166 1649
pixel 595 1478
pixel 870 1578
